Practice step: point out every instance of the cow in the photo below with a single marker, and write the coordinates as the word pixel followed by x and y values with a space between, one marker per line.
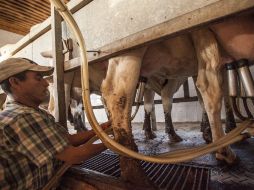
pixel 166 90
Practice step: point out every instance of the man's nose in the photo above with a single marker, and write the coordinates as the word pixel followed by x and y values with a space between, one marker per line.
pixel 45 82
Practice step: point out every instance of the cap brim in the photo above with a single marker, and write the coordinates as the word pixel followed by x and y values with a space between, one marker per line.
pixel 44 70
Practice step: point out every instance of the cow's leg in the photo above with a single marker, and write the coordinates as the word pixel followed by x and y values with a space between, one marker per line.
pixel 230 119
pixel 77 113
pixel 153 118
pixel 167 93
pixel 68 79
pixel 209 83
pixel 70 116
pixel 148 106
pixel 118 89
pixel 204 125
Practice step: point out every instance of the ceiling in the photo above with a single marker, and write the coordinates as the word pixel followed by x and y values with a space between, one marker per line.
pixel 18 16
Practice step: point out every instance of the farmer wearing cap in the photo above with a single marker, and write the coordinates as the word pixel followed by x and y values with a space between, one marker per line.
pixel 32 145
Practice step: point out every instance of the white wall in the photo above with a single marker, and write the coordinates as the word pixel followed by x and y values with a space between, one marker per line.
pixel 8 38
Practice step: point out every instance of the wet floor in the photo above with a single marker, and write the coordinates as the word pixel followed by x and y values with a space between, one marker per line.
pixel 189 132
pixel 239 176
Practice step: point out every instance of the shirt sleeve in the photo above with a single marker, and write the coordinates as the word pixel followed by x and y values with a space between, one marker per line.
pixel 36 137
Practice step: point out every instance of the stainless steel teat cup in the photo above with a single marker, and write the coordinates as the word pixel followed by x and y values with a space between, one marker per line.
pixel 232 79
pixel 242 90
pixel 245 77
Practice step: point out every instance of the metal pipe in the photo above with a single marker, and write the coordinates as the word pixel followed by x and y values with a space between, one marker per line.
pixel 245 76
pixel 246 107
pixel 244 99
pixel 236 110
pixel 242 90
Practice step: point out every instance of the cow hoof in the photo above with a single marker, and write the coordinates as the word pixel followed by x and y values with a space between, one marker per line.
pixel 207 135
pixel 150 135
pixel 204 125
pixel 228 157
pixel 230 126
pixel 175 138
pixel 134 175
pixel 229 164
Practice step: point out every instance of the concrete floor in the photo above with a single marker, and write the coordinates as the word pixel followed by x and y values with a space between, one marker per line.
pixel 189 132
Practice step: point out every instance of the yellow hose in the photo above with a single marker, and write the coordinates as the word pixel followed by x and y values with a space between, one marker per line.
pixel 173 157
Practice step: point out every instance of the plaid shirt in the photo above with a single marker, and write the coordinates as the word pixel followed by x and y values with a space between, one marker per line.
pixel 29 140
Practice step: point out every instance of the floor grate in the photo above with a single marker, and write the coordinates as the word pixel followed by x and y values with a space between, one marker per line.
pixel 164 176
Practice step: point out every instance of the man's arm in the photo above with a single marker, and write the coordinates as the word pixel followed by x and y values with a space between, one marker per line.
pixel 75 155
pixel 82 137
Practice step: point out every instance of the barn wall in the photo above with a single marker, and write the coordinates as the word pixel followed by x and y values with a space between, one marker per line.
pixel 8 37
pixel 7 41
pixel 103 22
pixel 33 50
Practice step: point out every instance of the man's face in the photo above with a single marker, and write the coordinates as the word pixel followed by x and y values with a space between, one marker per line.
pixel 34 88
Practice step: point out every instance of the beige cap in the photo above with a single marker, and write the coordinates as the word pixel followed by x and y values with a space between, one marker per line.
pixel 13 66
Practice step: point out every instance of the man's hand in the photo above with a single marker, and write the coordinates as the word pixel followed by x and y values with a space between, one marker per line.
pixel 106 125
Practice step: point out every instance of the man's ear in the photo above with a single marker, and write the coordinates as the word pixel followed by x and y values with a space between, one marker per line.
pixel 13 81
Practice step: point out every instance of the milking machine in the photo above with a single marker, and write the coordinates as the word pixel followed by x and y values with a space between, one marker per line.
pixel 241 86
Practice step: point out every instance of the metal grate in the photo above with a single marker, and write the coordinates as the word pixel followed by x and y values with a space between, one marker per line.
pixel 165 176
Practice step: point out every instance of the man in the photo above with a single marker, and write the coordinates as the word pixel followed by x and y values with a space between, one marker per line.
pixel 32 145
